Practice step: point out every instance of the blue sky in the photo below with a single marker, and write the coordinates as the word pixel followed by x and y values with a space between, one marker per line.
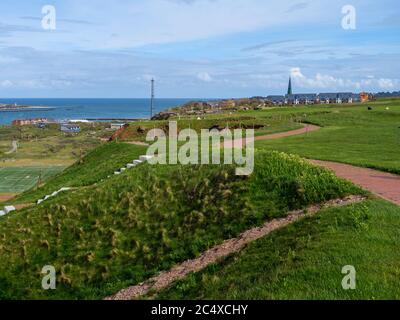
pixel 197 48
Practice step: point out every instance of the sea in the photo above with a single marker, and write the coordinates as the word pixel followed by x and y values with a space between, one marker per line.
pixel 72 109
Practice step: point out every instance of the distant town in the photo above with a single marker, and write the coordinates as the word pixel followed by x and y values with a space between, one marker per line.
pixel 261 102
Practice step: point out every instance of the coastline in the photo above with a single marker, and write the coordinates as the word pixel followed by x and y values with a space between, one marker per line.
pixel 85 108
pixel 19 109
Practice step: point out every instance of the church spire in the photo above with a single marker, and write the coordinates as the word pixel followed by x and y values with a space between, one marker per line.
pixel 290 91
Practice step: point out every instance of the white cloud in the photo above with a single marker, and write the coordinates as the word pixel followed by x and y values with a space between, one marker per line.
pixel 6 84
pixel 204 76
pixel 143 22
pixel 324 81
pixel 386 83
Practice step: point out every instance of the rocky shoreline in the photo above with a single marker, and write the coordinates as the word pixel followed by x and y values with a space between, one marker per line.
pixel 14 108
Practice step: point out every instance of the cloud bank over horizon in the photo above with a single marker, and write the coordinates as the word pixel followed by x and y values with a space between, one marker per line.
pixel 197 48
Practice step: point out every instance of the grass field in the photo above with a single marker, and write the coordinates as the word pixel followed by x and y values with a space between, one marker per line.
pixel 49 146
pixel 305 260
pixel 96 165
pixel 138 131
pixel 352 134
pixel 19 179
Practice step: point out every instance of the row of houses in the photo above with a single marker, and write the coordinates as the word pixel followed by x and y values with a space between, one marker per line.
pixel 29 122
pixel 73 127
pixel 312 98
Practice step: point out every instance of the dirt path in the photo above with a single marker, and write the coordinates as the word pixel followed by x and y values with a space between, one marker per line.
pixel 382 184
pixel 6 196
pixel 165 279
pixel 273 136
pixel 14 147
pixel 306 129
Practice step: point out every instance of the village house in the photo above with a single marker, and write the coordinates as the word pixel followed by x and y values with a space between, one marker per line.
pixel 312 98
pixel 307 98
pixel 291 99
pixel 278 100
pixel 328 98
pixel 70 128
pixel 28 122
pixel 117 126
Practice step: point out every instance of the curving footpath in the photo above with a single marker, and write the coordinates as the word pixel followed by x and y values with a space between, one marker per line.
pixel 14 147
pixel 382 184
pixel 273 136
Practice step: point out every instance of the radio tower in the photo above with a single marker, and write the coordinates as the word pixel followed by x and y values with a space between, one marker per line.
pixel 152 99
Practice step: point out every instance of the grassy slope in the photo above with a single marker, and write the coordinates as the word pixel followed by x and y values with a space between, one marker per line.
pixel 138 130
pixel 352 135
pixel 97 165
pixel 49 145
pixel 304 261
pixel 122 231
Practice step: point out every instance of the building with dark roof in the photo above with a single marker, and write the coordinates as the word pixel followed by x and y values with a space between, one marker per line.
pixel 70 128
pixel 328 98
pixel 277 99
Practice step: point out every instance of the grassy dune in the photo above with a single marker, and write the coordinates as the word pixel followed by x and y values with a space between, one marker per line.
pixel 122 231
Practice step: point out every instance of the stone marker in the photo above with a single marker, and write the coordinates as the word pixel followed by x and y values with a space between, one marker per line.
pixel 145 158
pixel 8 209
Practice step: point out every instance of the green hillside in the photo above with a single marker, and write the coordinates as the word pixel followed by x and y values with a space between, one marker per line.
pixel 305 260
pixel 124 230
pixel 97 165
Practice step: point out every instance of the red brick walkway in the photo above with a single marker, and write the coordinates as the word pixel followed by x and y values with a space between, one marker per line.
pixel 384 185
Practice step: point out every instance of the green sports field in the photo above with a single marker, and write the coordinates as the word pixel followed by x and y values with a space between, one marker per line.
pixel 19 179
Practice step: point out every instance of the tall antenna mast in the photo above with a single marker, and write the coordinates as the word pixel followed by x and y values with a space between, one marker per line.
pixel 152 99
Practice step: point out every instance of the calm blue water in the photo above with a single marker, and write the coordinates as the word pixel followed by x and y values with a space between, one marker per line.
pixel 87 108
